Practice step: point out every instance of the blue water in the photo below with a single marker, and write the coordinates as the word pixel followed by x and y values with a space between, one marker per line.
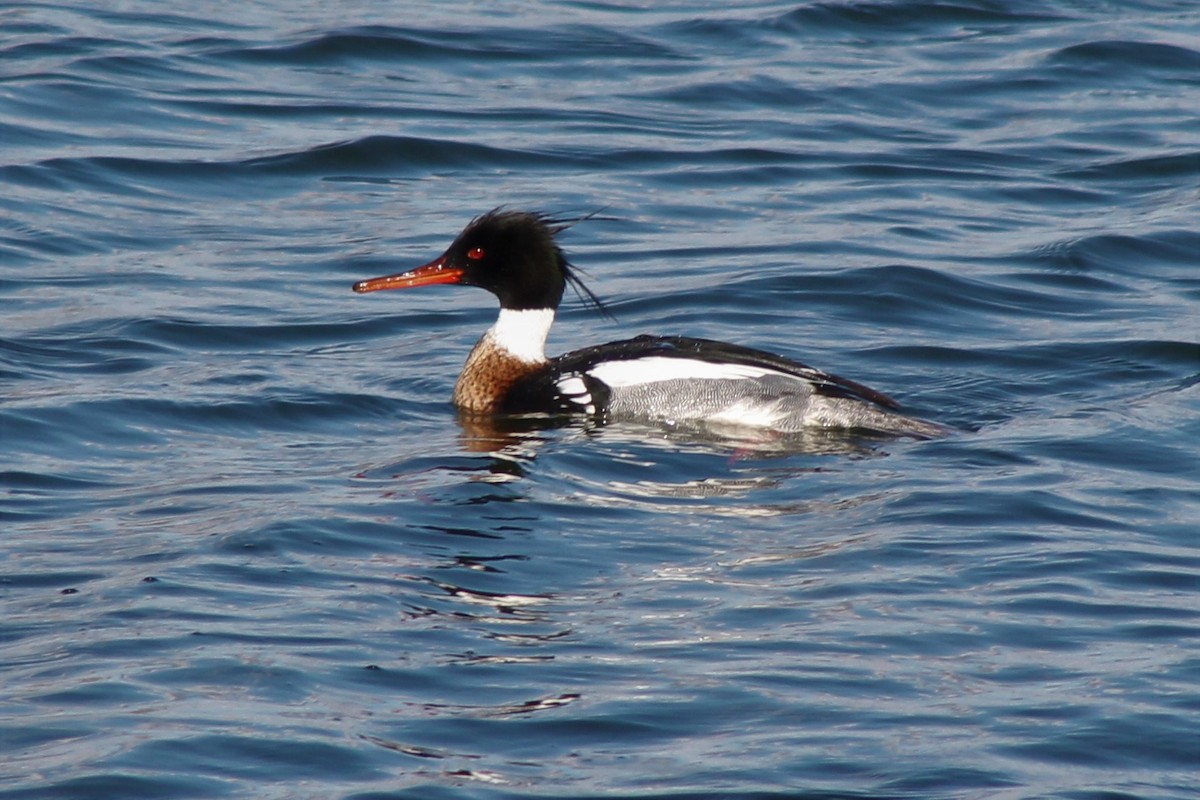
pixel 248 549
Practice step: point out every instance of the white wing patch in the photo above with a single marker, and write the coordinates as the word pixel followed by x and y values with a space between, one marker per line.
pixel 575 390
pixel 651 369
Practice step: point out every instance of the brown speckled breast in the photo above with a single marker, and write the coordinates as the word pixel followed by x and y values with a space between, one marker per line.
pixel 487 376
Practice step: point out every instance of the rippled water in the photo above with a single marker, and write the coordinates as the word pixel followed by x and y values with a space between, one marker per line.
pixel 249 550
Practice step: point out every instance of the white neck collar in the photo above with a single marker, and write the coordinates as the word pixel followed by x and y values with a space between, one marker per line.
pixel 522 334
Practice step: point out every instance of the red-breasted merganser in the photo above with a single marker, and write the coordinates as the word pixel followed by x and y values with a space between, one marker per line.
pixel 514 255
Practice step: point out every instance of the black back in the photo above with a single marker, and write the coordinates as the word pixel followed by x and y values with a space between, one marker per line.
pixel 539 392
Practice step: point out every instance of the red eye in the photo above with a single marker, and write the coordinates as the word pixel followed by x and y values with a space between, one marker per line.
pixel 475 253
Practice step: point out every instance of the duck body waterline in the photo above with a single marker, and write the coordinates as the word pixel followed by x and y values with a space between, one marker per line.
pixel 668 379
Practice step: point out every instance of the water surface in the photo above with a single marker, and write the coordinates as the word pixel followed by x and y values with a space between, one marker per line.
pixel 250 550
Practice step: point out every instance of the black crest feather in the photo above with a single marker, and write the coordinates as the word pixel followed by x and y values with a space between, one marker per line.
pixel 556 224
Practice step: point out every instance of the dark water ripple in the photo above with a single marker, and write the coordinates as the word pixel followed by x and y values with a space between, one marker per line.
pixel 249 550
